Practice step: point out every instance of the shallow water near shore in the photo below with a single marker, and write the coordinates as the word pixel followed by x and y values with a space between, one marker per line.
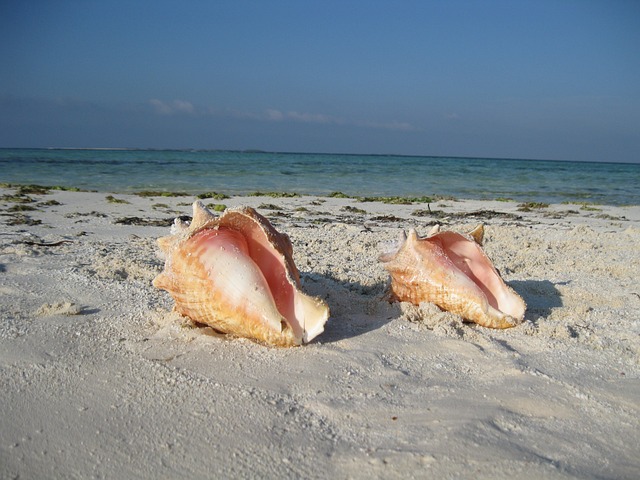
pixel 233 172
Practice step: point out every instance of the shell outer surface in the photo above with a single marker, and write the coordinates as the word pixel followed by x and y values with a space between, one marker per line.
pixel 451 270
pixel 236 274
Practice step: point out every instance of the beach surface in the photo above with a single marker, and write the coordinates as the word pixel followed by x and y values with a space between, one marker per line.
pixel 100 379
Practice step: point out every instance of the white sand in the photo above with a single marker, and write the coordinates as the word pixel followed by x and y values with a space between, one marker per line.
pixel 99 378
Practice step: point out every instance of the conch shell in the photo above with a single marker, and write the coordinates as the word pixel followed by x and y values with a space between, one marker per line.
pixel 236 274
pixel 451 270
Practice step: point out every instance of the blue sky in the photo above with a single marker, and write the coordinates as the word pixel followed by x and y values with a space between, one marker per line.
pixel 522 79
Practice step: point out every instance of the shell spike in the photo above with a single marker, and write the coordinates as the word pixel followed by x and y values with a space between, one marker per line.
pixel 391 251
pixel 201 216
pixel 435 229
pixel 478 234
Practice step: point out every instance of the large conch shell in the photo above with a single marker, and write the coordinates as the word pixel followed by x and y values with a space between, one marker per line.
pixel 236 274
pixel 452 271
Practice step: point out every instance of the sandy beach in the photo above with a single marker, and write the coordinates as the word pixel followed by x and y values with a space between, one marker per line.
pixel 100 379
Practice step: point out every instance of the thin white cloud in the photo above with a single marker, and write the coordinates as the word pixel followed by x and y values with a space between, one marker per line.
pixel 393 125
pixel 234 114
pixel 279 116
pixel 183 106
pixel 312 118
pixel 171 108
pixel 274 115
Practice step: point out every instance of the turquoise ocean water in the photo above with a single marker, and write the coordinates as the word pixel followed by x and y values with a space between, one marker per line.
pixel 122 171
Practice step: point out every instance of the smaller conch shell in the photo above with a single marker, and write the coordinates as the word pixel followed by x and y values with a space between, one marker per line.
pixel 451 270
pixel 236 274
